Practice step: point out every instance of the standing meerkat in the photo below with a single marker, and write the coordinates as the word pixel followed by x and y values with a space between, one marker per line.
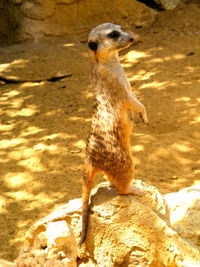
pixel 108 147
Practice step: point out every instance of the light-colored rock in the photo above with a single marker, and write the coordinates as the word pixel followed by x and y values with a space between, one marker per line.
pixel 54 246
pixel 123 231
pixel 185 213
pixel 167 4
pixel 38 19
pixel 132 231
pixel 4 263
pixel 17 2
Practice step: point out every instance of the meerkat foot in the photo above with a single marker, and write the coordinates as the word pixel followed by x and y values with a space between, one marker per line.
pixel 133 190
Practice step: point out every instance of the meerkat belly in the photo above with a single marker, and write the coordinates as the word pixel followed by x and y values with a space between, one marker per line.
pixel 109 137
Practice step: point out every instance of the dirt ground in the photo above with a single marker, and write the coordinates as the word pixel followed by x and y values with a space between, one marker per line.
pixel 44 120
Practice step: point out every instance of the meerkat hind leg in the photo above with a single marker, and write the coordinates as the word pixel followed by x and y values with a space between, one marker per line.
pixel 129 190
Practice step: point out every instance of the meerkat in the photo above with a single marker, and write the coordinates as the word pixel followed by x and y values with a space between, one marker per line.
pixel 108 147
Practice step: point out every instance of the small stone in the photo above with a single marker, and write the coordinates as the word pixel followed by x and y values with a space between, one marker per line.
pixel 167 4
pixel 174 177
pixel 75 150
pixel 190 54
pixel 17 2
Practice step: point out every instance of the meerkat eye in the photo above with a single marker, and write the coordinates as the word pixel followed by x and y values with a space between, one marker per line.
pixel 114 35
pixel 93 45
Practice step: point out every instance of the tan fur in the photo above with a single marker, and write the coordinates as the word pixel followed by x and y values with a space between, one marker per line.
pixel 108 148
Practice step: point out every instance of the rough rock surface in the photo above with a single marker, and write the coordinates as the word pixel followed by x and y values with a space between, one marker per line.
pixel 185 213
pixel 167 4
pixel 123 231
pixel 55 246
pixel 41 18
pixel 4 263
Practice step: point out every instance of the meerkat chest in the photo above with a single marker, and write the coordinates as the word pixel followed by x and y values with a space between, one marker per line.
pixel 120 75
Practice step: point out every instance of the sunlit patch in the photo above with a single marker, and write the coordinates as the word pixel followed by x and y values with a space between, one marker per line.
pixel 58 135
pixel 32 163
pixel 74 118
pixel 68 45
pixel 20 195
pixel 181 147
pixel 31 84
pixel 51 136
pixel 6 143
pixel 22 223
pixel 190 68
pixel 6 127
pixel 11 93
pixel 196 120
pixel 17 62
pixel 134 55
pixel 16 103
pixel 31 130
pixel 53 112
pixel 159 152
pixel 2 204
pixel 26 112
pixel 184 99
pixel 89 94
pixel 139 148
pixel 167 58
pixel 4 66
pixel 197 182
pixel 142 75
pixel 43 147
pixel 178 56
pixel 43 197
pixel 155 84
pixel 79 144
pixel 180 159
pixel 13 179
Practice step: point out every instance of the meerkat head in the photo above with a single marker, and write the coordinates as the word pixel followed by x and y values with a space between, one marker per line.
pixel 107 39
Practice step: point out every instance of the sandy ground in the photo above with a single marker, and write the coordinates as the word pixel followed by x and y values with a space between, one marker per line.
pixel 44 124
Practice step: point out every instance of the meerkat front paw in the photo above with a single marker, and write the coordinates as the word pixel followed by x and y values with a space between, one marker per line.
pixel 143 116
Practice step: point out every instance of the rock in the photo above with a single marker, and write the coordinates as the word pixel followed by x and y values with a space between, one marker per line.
pixel 185 213
pixel 4 263
pixel 123 231
pixel 55 246
pixel 167 4
pixel 17 2
pixel 33 20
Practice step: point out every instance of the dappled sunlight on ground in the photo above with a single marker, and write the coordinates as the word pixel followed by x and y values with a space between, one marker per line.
pixel 45 122
pixel 41 150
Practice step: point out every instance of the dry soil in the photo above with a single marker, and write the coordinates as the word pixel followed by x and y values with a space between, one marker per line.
pixel 45 120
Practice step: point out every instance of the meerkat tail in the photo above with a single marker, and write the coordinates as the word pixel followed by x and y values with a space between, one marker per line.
pixel 88 179
pixel 85 214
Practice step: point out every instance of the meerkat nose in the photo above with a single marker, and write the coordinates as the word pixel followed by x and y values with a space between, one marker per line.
pixel 131 39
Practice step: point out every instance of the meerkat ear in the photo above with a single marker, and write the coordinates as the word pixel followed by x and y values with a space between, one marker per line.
pixel 92 45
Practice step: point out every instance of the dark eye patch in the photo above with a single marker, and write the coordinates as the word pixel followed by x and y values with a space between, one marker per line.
pixel 93 45
pixel 114 35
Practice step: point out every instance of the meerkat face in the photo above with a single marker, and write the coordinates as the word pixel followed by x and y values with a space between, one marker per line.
pixel 108 38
